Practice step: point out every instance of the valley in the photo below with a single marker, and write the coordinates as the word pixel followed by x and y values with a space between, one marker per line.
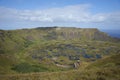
pixel 56 53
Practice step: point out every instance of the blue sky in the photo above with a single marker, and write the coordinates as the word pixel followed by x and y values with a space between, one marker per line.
pixel 102 14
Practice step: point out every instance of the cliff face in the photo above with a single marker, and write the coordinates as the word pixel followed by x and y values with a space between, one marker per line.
pixel 54 33
pixel 14 40
pixel 76 34
pixel 81 34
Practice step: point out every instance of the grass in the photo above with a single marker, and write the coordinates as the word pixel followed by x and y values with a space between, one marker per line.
pixel 91 72
pixel 28 54
pixel 44 51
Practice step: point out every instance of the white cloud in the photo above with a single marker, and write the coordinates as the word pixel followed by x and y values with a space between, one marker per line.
pixel 75 13
pixel 72 14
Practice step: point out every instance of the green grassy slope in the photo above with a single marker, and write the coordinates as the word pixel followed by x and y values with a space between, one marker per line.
pixel 105 69
pixel 54 50
pixel 46 55
pixel 6 62
pixel 13 41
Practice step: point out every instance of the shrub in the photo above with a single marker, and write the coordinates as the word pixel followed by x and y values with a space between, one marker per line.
pixel 22 67
pixel 26 68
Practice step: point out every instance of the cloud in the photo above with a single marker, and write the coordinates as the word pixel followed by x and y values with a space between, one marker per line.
pixel 74 13
pixel 68 14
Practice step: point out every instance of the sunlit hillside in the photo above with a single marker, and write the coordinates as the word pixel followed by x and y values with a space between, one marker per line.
pixel 57 53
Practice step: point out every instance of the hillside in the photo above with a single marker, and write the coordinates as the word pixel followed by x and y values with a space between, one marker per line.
pixel 54 49
pixel 14 40
pixel 104 69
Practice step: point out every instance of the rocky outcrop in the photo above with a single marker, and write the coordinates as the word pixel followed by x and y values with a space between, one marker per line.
pixel 77 64
pixel 81 34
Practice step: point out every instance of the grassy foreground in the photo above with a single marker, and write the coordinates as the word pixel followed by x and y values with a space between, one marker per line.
pixel 104 69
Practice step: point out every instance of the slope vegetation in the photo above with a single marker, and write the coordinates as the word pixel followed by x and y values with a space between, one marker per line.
pixel 56 53
pixel 105 69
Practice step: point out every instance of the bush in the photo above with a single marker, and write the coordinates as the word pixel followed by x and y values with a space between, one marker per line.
pixel 26 68
pixel 22 67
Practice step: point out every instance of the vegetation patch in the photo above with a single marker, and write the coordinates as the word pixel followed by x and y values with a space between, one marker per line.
pixel 27 68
